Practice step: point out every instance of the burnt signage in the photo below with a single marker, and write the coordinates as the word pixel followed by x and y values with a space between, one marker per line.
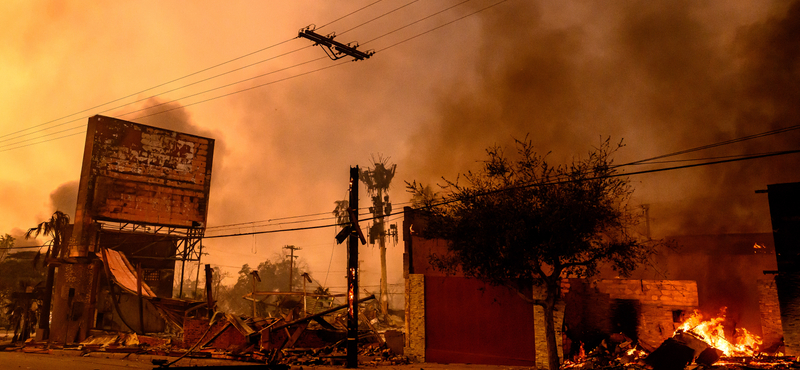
pixel 134 173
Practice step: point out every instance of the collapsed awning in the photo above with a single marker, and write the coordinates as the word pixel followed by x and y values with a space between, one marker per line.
pixel 123 273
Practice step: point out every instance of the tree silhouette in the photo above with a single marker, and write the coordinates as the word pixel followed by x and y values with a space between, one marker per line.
pixel 56 227
pixel 523 223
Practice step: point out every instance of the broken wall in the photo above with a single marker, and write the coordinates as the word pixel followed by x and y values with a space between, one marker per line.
pixel 771 327
pixel 647 310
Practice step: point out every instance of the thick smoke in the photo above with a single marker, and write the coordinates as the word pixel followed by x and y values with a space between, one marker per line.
pixel 65 199
pixel 665 76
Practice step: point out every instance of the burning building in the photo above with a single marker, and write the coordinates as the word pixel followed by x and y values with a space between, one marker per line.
pixel 706 272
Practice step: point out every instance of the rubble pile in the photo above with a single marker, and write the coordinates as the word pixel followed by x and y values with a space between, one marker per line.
pixel 683 351
pixel 317 339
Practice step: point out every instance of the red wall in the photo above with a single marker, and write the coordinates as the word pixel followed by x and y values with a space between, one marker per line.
pixel 467 321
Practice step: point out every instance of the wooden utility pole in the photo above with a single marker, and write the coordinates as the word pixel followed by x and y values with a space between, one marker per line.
pixel 352 232
pixel 291 248
pixel 352 274
pixel 209 295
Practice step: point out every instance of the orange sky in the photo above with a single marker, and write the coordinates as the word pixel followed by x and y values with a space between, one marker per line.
pixel 663 75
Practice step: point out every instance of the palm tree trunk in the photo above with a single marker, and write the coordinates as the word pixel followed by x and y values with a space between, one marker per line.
pixel 384 282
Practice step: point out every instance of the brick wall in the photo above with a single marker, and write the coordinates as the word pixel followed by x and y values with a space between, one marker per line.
pixel 771 329
pixel 788 284
pixel 602 307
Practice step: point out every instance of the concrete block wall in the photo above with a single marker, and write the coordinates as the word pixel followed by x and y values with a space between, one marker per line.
pixel 651 292
pixel 415 317
pixel 661 301
pixel 771 327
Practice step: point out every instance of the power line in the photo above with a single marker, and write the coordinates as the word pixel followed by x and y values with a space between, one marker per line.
pixel 188 96
pixel 243 90
pixel 169 82
pixel 39 137
pixel 151 88
pixel 435 28
pixel 349 14
pixel 269 231
pixel 717 144
pixel 12 146
pixel 378 17
pixel 4 149
pixel 558 182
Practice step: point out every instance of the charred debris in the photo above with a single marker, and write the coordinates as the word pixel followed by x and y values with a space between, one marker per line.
pixel 289 337
pixel 685 350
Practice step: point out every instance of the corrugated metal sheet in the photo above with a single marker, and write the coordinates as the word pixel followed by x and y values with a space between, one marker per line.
pixel 123 273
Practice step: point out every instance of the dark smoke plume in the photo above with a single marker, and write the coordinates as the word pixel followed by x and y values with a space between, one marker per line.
pixel 660 74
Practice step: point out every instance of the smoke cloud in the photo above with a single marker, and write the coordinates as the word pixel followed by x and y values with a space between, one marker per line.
pixel 662 75
pixel 665 76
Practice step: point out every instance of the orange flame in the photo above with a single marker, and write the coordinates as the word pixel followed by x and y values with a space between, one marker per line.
pixel 712 332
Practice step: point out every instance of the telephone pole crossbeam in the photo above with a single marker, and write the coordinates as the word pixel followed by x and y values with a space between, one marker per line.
pixel 337 49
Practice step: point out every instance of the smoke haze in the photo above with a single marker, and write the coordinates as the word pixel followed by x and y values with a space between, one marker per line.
pixel 662 75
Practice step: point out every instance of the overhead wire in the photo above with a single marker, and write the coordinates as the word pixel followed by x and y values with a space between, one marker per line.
pixel 16 145
pixel 718 144
pixel 181 98
pixel 392 45
pixel 7 146
pixel 425 18
pixel 330 66
pixel 5 149
pixel 378 17
pixel 349 14
pixel 557 182
pixel 148 89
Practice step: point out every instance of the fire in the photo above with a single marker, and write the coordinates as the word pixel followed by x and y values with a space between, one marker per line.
pixel 712 332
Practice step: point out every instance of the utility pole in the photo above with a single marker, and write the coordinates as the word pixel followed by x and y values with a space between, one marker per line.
pixel 353 233
pixel 291 248
pixel 646 208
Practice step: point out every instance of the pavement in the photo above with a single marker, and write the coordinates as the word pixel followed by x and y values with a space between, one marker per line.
pixel 65 359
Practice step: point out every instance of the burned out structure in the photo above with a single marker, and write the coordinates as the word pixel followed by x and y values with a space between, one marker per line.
pixel 457 319
pixel 142 205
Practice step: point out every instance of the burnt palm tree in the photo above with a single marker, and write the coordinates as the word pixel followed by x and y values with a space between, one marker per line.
pixel 55 227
